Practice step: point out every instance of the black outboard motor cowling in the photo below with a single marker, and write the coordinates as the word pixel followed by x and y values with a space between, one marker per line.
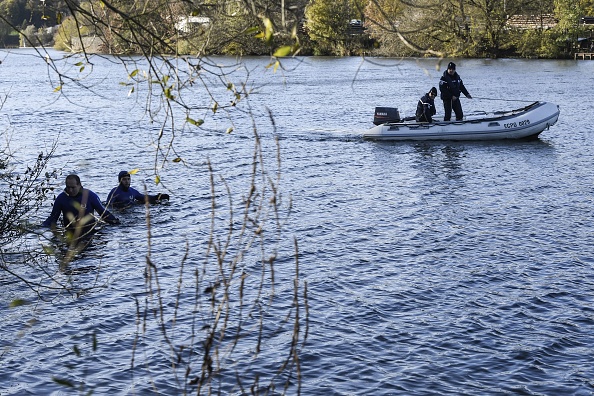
pixel 386 114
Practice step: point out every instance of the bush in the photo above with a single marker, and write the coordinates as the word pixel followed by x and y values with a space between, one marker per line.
pixel 68 34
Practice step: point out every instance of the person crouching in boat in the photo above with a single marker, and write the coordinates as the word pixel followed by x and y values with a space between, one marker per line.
pixel 426 106
pixel 77 205
pixel 123 195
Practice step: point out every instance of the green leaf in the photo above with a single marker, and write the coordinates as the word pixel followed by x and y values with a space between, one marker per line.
pixel 48 249
pixel 134 73
pixel 283 51
pixel 17 303
pixel 168 93
pixel 252 30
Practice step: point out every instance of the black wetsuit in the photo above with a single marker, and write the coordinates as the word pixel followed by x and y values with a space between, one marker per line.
pixel 451 86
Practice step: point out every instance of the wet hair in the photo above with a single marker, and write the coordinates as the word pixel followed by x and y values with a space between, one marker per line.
pixel 74 177
pixel 122 174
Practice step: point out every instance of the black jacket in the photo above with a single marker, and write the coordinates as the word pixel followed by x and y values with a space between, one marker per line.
pixel 450 86
pixel 425 109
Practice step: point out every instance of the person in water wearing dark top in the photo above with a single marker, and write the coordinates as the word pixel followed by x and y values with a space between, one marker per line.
pixel 426 106
pixel 77 205
pixel 123 195
pixel 451 86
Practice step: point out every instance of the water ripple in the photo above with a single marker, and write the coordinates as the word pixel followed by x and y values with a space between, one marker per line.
pixel 432 268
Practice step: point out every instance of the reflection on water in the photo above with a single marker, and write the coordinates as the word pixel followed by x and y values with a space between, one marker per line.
pixel 445 157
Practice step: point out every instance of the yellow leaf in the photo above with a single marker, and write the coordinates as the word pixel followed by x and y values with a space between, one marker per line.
pixel 283 51
pixel 269 28
pixel 230 129
pixel 215 107
pixel 134 171
pixel 134 73
pixel 157 179
pixel 276 65
pixel 58 88
pixel 195 122
pixel 177 159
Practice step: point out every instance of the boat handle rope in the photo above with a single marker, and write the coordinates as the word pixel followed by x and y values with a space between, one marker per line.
pixel 503 100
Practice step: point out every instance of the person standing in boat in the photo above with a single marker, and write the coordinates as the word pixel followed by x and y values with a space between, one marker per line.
pixel 426 106
pixel 123 195
pixel 451 86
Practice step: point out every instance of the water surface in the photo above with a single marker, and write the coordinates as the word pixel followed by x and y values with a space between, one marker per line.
pixel 432 267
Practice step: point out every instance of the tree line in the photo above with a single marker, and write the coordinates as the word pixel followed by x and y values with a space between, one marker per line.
pixel 467 28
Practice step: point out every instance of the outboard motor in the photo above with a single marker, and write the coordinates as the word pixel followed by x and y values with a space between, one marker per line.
pixel 386 114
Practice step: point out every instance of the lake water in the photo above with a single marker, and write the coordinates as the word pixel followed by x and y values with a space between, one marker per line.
pixel 431 267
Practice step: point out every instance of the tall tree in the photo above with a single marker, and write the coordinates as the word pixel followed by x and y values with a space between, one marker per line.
pixel 327 23
pixel 406 29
